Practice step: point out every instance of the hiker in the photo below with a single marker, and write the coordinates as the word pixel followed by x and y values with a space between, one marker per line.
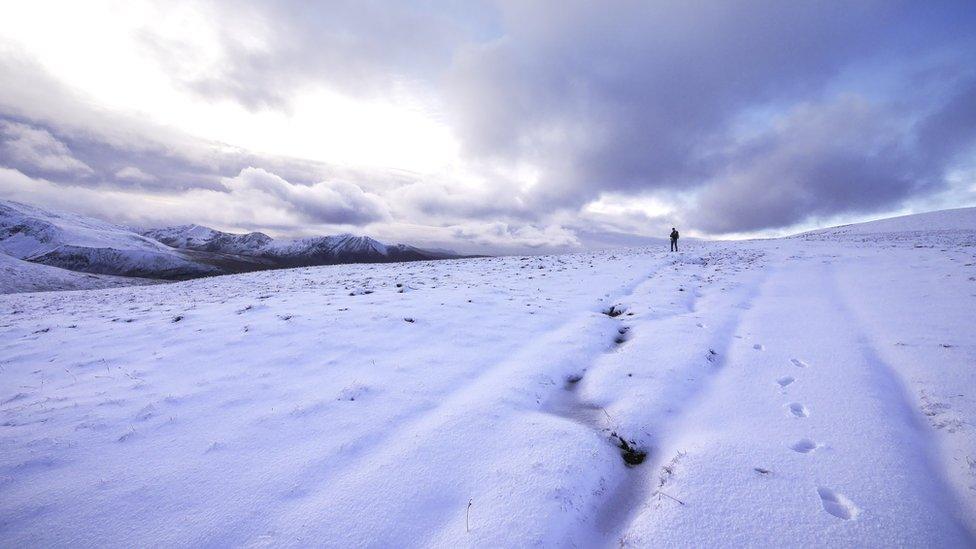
pixel 674 239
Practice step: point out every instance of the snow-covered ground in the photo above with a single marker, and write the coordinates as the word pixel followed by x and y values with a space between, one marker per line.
pixel 17 275
pixel 809 391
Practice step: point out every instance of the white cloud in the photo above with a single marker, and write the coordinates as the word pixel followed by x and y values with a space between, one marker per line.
pixel 33 148
pixel 501 235
pixel 132 173
pixel 333 202
pixel 110 64
pixel 255 198
pixel 226 210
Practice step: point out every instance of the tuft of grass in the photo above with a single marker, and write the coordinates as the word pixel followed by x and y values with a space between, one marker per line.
pixel 467 516
pixel 667 471
pixel 629 450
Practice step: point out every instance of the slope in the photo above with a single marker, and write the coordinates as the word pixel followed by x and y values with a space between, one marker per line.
pixel 17 275
pixel 80 243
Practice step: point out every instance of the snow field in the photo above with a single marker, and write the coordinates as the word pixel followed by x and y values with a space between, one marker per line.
pixel 782 392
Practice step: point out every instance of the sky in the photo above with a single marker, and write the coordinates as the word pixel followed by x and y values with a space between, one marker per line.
pixel 489 126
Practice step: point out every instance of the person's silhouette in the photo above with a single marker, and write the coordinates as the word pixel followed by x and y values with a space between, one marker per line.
pixel 674 239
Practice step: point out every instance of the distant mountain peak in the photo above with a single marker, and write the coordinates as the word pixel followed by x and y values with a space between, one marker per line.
pixel 80 243
pixel 307 251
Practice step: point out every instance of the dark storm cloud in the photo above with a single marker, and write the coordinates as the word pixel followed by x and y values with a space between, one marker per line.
pixel 843 157
pixel 642 97
pixel 631 92
pixel 821 160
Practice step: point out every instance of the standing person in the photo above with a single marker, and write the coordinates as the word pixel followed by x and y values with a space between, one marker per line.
pixel 674 239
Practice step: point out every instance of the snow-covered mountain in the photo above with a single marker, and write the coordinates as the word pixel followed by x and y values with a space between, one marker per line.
pixel 74 242
pixel 320 250
pixel 205 239
pixel 79 243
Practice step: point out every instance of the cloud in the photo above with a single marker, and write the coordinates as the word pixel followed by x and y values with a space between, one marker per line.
pixel 441 200
pixel 108 141
pixel 642 98
pixel 253 198
pixel 22 146
pixel 31 95
pixel 266 51
pixel 503 236
pixel 137 207
pixel 333 202
pixel 132 173
pixel 842 156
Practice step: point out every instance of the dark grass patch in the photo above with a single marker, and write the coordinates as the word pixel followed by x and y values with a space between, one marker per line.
pixel 632 454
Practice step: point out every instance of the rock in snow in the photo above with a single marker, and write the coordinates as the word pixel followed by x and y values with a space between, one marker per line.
pixel 810 391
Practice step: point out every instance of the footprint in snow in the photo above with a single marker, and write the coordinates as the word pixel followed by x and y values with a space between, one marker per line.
pixel 837 504
pixel 798 363
pixel 804 446
pixel 798 409
pixel 785 381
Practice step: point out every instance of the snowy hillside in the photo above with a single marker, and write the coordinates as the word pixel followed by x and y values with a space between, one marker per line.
pixel 955 225
pixel 17 275
pixel 322 250
pixel 32 232
pixel 770 393
pixel 80 243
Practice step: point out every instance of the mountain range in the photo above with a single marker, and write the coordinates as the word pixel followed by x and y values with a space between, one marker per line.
pixel 73 242
pixel 319 250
